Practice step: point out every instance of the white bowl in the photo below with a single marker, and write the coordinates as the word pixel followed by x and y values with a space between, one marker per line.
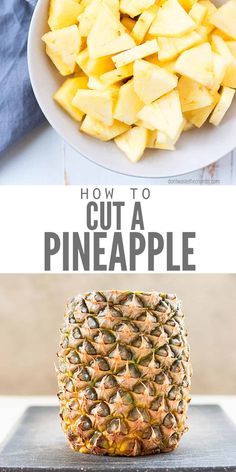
pixel 196 148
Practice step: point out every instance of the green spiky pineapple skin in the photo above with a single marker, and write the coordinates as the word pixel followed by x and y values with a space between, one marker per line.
pixel 124 373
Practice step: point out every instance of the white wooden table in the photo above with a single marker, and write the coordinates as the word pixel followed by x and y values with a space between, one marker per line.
pixel 43 158
pixel 12 407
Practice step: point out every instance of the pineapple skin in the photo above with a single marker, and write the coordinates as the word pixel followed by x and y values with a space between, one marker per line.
pixel 124 373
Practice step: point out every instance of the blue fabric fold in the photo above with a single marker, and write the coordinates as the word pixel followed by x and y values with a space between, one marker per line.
pixel 19 111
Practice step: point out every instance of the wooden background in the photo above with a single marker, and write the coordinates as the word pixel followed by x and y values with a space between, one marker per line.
pixel 43 158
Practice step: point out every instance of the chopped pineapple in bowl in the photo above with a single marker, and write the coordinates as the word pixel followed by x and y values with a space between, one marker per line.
pixel 142 81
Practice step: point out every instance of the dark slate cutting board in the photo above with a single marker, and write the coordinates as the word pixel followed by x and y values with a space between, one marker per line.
pixel 38 445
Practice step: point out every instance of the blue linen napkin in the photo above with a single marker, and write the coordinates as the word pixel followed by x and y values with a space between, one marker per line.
pixel 19 111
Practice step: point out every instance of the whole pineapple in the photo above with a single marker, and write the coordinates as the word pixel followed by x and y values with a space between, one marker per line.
pixel 124 373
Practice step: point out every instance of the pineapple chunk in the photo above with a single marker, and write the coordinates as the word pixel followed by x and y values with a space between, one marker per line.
pixel 128 23
pixel 133 142
pixel 63 13
pixel 121 43
pixel 164 114
pixel 158 140
pixel 171 20
pixel 187 4
pixel 210 9
pixel 202 30
pixel 188 126
pixel 98 129
pixel 135 7
pixel 95 83
pixel 62 46
pixel 198 13
pixel 144 124
pixel 137 52
pixel 116 75
pixel 170 48
pixel 222 106
pixel 197 64
pixel 229 79
pixel 93 66
pixel 100 66
pixel 225 18
pixel 219 70
pixel 107 35
pixel 143 24
pixel 199 117
pixel 89 15
pixel 221 34
pixel 65 94
pixel 232 47
pixel 152 81
pixel 193 95
pixel 96 103
pixel 82 60
pixel 128 104
pixel 220 46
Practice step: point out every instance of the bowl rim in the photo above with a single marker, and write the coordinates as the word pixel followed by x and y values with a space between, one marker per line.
pixel 63 135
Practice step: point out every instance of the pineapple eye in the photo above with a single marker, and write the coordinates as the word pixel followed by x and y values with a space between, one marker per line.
pixel 65 343
pixel 102 364
pixel 99 441
pixel 136 413
pixel 160 378
pixel 92 322
pixel 163 351
pixel 90 393
pixel 173 440
pixel 157 432
pixel 123 326
pixel 155 405
pixel 175 341
pixel 180 407
pixel 110 382
pixel 126 397
pixel 157 331
pixel 170 323
pixel 72 319
pixel 69 386
pixel 88 347
pixel 97 296
pixel 145 361
pixel 169 421
pixel 142 340
pixel 173 393
pixel 74 358
pixel 133 371
pixel 84 375
pixel 139 388
pixel 108 337
pixel 101 409
pixel 84 423
pixel 117 426
pixel 62 368
pixel 185 382
pixel 125 353
pixel 144 387
pixel 176 366
pixel 147 433
pixel 77 333
pixel 82 306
